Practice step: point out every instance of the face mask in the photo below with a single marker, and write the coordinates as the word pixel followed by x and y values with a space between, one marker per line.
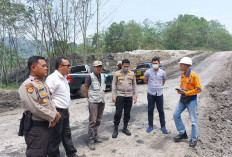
pixel 125 69
pixel 155 66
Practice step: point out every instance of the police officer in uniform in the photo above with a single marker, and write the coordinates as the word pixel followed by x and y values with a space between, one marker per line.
pixel 124 92
pixel 36 101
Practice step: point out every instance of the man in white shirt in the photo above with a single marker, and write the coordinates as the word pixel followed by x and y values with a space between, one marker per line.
pixel 60 90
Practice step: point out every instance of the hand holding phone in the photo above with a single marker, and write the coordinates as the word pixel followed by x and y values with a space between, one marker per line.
pixel 177 89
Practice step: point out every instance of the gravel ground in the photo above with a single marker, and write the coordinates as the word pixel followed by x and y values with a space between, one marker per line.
pixel 214 109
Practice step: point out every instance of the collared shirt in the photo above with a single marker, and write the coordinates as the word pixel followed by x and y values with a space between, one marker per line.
pixel 155 81
pixel 36 98
pixel 190 83
pixel 60 90
pixel 124 84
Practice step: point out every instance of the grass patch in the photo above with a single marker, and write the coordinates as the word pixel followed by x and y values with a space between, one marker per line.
pixel 10 86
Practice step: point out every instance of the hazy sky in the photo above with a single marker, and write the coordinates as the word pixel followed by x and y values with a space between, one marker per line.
pixel 167 10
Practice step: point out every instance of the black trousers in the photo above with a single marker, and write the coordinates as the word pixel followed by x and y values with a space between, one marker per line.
pixel 61 132
pixel 158 100
pixel 37 140
pixel 122 103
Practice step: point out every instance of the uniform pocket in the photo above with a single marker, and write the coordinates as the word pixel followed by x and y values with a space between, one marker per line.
pixel 32 136
pixel 96 86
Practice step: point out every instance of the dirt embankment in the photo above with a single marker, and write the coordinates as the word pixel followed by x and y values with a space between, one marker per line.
pixel 9 100
pixel 215 117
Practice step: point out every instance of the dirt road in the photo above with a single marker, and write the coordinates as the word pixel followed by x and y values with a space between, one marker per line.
pixel 140 143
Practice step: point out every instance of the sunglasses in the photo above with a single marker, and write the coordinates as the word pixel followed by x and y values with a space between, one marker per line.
pixel 67 65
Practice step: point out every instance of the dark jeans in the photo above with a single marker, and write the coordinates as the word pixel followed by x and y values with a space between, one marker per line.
pixel 37 141
pixel 61 132
pixel 158 100
pixel 95 117
pixel 122 103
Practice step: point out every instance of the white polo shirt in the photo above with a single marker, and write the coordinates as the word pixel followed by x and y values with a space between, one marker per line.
pixel 60 90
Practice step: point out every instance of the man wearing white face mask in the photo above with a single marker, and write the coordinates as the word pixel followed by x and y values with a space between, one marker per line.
pixel 155 78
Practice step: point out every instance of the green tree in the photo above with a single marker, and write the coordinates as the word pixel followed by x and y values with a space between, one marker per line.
pixel 114 39
pixel 132 36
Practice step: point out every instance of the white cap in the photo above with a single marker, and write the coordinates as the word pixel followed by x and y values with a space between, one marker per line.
pixel 119 62
pixel 97 63
pixel 186 60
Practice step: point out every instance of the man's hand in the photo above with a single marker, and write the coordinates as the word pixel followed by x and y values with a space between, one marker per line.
pixel 114 100
pixel 68 113
pixel 180 92
pixel 135 100
pixel 52 124
pixel 58 116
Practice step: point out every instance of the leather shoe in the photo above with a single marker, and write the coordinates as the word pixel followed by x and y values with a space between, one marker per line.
pixel 126 131
pixel 115 133
pixel 179 137
pixel 192 143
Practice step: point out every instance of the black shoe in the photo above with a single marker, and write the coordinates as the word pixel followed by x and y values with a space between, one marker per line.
pixel 115 133
pixel 179 137
pixel 192 143
pixel 126 131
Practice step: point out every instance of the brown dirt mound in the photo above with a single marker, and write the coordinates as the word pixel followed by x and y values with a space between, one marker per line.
pixel 9 100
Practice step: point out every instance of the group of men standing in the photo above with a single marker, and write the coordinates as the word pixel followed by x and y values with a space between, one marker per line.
pixel 48 103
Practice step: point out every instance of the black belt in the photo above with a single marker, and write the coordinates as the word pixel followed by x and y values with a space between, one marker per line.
pixel 61 109
pixel 39 123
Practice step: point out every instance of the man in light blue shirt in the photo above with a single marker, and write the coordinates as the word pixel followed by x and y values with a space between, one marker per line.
pixel 155 78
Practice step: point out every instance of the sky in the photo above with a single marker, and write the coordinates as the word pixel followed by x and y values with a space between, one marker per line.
pixel 165 10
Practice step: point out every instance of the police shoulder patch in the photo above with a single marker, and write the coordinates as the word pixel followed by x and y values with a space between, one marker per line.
pixel 30 90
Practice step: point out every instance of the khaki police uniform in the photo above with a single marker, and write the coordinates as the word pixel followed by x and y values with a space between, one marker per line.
pixel 124 89
pixel 36 98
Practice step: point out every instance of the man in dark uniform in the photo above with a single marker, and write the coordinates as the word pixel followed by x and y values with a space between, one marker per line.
pixel 124 92
pixel 36 101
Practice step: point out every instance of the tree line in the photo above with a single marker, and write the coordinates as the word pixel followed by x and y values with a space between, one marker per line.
pixel 56 27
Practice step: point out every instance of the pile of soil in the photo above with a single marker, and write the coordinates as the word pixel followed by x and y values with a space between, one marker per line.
pixel 9 100
pixel 215 120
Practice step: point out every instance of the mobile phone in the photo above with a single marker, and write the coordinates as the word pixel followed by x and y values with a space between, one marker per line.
pixel 177 89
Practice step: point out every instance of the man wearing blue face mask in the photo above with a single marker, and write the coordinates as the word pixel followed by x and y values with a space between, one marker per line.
pixel 155 78
pixel 124 92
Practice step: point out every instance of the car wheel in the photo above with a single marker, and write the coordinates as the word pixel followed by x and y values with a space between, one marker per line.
pixel 81 91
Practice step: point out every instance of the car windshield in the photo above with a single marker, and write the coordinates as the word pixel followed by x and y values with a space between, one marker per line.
pixel 143 66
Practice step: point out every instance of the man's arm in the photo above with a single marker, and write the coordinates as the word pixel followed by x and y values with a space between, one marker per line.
pixel 145 80
pixel 146 75
pixel 135 92
pixel 86 89
pixel 86 86
pixel 114 88
pixel 164 81
pixel 32 102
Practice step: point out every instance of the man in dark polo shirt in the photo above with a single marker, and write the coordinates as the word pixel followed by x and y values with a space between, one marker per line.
pixel 94 91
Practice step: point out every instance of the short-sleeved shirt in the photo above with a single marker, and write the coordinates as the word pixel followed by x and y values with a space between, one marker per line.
pixel 155 81
pixel 88 80
pixel 60 90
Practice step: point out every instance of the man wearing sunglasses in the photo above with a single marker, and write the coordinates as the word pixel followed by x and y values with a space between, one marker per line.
pixel 60 90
